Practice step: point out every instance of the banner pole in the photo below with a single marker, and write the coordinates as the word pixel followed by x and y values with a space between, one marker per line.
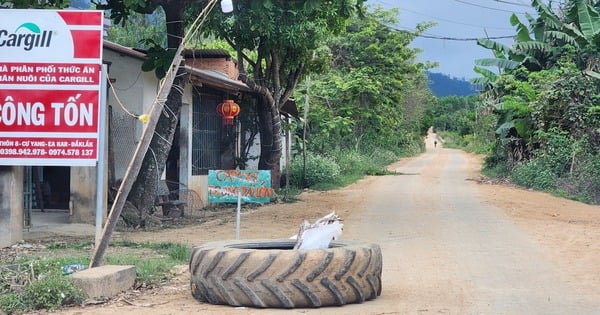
pixel 100 169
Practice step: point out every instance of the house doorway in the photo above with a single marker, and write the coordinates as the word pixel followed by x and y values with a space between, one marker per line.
pixel 56 187
pixel 45 188
pixel 49 187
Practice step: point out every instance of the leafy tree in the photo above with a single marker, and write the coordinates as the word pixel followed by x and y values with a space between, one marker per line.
pixel 372 95
pixel 286 36
pixel 138 29
pixel 453 114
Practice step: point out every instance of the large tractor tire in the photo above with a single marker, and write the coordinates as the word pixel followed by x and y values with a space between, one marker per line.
pixel 271 274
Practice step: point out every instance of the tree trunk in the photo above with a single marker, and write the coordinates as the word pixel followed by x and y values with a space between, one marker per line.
pixel 145 188
pixel 270 140
pixel 144 191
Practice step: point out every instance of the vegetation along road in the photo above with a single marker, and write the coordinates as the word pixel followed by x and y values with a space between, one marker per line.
pixel 450 245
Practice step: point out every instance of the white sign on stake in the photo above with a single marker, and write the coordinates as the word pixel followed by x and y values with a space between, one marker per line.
pixel 50 66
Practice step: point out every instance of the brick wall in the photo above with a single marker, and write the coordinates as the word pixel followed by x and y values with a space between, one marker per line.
pixel 224 65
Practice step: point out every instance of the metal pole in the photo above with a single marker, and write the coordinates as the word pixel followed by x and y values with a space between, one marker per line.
pixel 101 165
pixel 238 216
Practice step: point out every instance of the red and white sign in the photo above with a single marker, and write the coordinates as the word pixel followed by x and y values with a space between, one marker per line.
pixel 50 80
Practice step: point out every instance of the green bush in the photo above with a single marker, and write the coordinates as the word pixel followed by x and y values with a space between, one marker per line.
pixel 583 183
pixel 452 140
pixel 381 158
pixel 319 169
pixel 562 165
pixel 534 174
pixel 10 303
pixel 351 162
pixel 556 149
pixel 51 292
pixel 43 286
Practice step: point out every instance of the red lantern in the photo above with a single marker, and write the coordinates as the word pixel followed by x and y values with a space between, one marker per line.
pixel 228 110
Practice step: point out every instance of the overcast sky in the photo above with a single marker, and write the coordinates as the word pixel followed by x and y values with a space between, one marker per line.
pixel 457 20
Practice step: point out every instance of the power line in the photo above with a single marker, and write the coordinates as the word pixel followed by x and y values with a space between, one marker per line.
pixel 464 39
pixel 451 38
pixel 455 22
pixel 489 8
pixel 439 37
pixel 521 4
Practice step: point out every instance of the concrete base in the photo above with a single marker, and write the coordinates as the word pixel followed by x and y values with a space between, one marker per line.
pixel 104 281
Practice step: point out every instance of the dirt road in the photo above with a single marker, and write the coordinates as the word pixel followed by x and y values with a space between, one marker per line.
pixel 450 245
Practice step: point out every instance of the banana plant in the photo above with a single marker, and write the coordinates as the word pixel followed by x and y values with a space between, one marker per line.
pixel 540 44
pixel 580 29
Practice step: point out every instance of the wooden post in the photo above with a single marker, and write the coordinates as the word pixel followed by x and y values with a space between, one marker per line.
pixel 136 162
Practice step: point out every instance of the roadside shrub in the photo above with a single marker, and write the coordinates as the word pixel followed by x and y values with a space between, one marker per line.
pixel 351 162
pixel 495 164
pixel 319 169
pixel 381 157
pixel 583 183
pixel 556 150
pixel 51 292
pixel 288 194
pixel 10 303
pixel 452 140
pixel 533 174
pixel 411 143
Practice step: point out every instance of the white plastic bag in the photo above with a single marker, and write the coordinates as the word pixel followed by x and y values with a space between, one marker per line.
pixel 319 237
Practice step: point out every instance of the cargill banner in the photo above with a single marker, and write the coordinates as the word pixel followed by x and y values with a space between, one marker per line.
pixel 50 70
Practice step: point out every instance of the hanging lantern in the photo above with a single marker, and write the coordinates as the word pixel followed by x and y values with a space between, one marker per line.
pixel 228 110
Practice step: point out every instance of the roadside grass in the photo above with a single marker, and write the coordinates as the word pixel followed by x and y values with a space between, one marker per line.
pixel 288 194
pixel 35 280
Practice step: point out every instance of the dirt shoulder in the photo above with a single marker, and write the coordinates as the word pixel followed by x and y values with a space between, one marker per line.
pixel 567 231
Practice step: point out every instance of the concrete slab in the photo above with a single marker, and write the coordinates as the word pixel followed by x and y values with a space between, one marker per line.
pixel 104 281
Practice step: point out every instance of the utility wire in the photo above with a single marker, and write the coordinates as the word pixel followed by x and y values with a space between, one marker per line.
pixel 451 21
pixel 521 4
pixel 432 36
pixel 489 8
pixel 450 38
pixel 466 39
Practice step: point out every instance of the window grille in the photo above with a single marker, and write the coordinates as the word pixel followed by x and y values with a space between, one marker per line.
pixel 206 132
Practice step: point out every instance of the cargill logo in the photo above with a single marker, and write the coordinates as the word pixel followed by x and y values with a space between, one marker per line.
pixel 27 36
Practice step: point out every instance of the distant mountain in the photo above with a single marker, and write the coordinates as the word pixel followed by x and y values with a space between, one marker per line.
pixel 443 85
